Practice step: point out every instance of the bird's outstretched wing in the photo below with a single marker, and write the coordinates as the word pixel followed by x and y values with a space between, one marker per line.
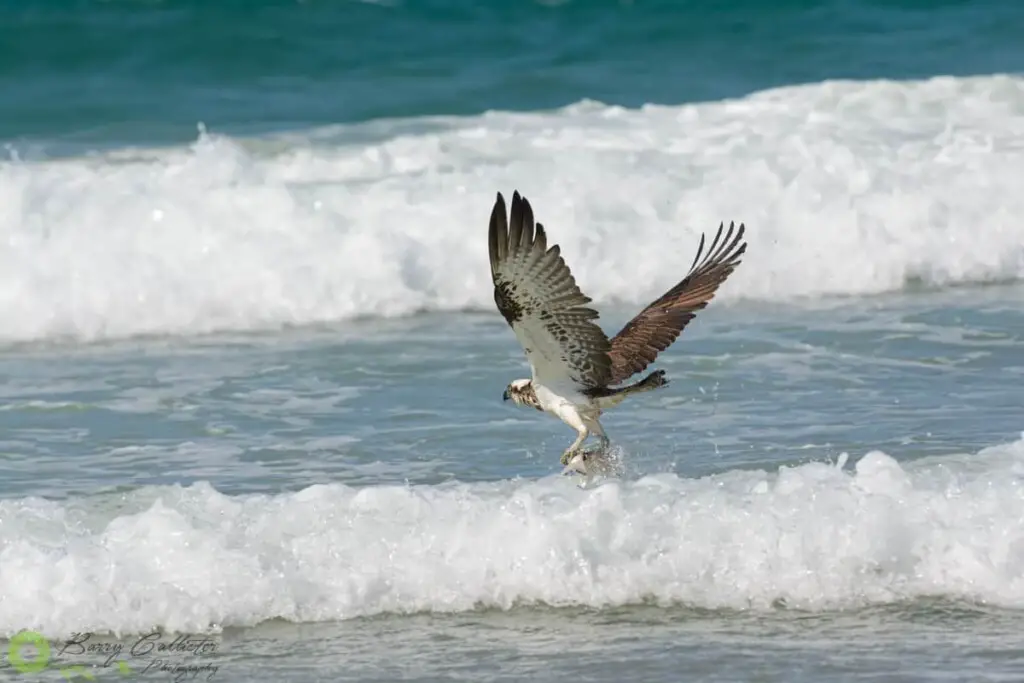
pixel 656 327
pixel 537 294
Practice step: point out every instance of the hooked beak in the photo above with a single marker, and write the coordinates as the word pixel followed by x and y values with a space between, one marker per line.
pixel 504 395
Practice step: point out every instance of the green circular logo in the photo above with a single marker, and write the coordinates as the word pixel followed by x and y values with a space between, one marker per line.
pixel 35 664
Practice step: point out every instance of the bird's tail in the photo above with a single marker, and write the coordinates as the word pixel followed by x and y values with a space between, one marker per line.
pixel 613 397
pixel 653 381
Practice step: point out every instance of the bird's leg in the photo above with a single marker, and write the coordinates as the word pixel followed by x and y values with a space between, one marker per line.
pixel 596 428
pixel 571 451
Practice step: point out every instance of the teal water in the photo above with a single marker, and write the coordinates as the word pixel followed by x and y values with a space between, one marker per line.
pixel 251 370
pixel 141 72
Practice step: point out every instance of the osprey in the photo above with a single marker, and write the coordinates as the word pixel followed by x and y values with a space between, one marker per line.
pixel 575 366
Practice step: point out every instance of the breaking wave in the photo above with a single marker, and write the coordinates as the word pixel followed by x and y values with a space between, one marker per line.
pixel 814 536
pixel 846 188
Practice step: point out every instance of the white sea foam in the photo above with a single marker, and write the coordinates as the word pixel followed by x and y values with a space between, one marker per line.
pixel 815 536
pixel 847 188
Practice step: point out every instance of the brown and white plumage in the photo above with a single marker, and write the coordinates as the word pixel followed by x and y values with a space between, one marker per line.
pixel 656 327
pixel 574 364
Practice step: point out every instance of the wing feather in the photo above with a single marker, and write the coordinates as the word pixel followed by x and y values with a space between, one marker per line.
pixel 538 296
pixel 656 327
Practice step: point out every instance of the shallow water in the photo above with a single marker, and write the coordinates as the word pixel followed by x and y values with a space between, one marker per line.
pixel 839 484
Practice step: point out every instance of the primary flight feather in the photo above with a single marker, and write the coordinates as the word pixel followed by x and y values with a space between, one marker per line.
pixel 574 364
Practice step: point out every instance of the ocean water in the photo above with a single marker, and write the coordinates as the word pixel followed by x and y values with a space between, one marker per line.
pixel 251 369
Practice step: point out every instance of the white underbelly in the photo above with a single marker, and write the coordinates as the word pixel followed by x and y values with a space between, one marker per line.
pixel 553 399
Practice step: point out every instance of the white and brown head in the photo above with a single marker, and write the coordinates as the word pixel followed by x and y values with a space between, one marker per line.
pixel 522 394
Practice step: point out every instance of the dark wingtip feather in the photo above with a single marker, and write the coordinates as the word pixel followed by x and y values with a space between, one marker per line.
pixel 731 247
pixel 723 251
pixel 528 225
pixel 497 237
pixel 739 235
pixel 541 239
pixel 515 223
pixel 700 249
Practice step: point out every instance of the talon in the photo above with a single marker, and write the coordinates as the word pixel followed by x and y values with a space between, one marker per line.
pixel 571 453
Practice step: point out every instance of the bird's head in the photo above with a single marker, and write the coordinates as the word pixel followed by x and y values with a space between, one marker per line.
pixel 520 391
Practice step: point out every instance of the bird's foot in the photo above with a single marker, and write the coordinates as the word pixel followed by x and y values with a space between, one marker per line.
pixel 593 462
pixel 581 450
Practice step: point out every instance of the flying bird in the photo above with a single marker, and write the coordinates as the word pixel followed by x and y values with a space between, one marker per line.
pixel 577 371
